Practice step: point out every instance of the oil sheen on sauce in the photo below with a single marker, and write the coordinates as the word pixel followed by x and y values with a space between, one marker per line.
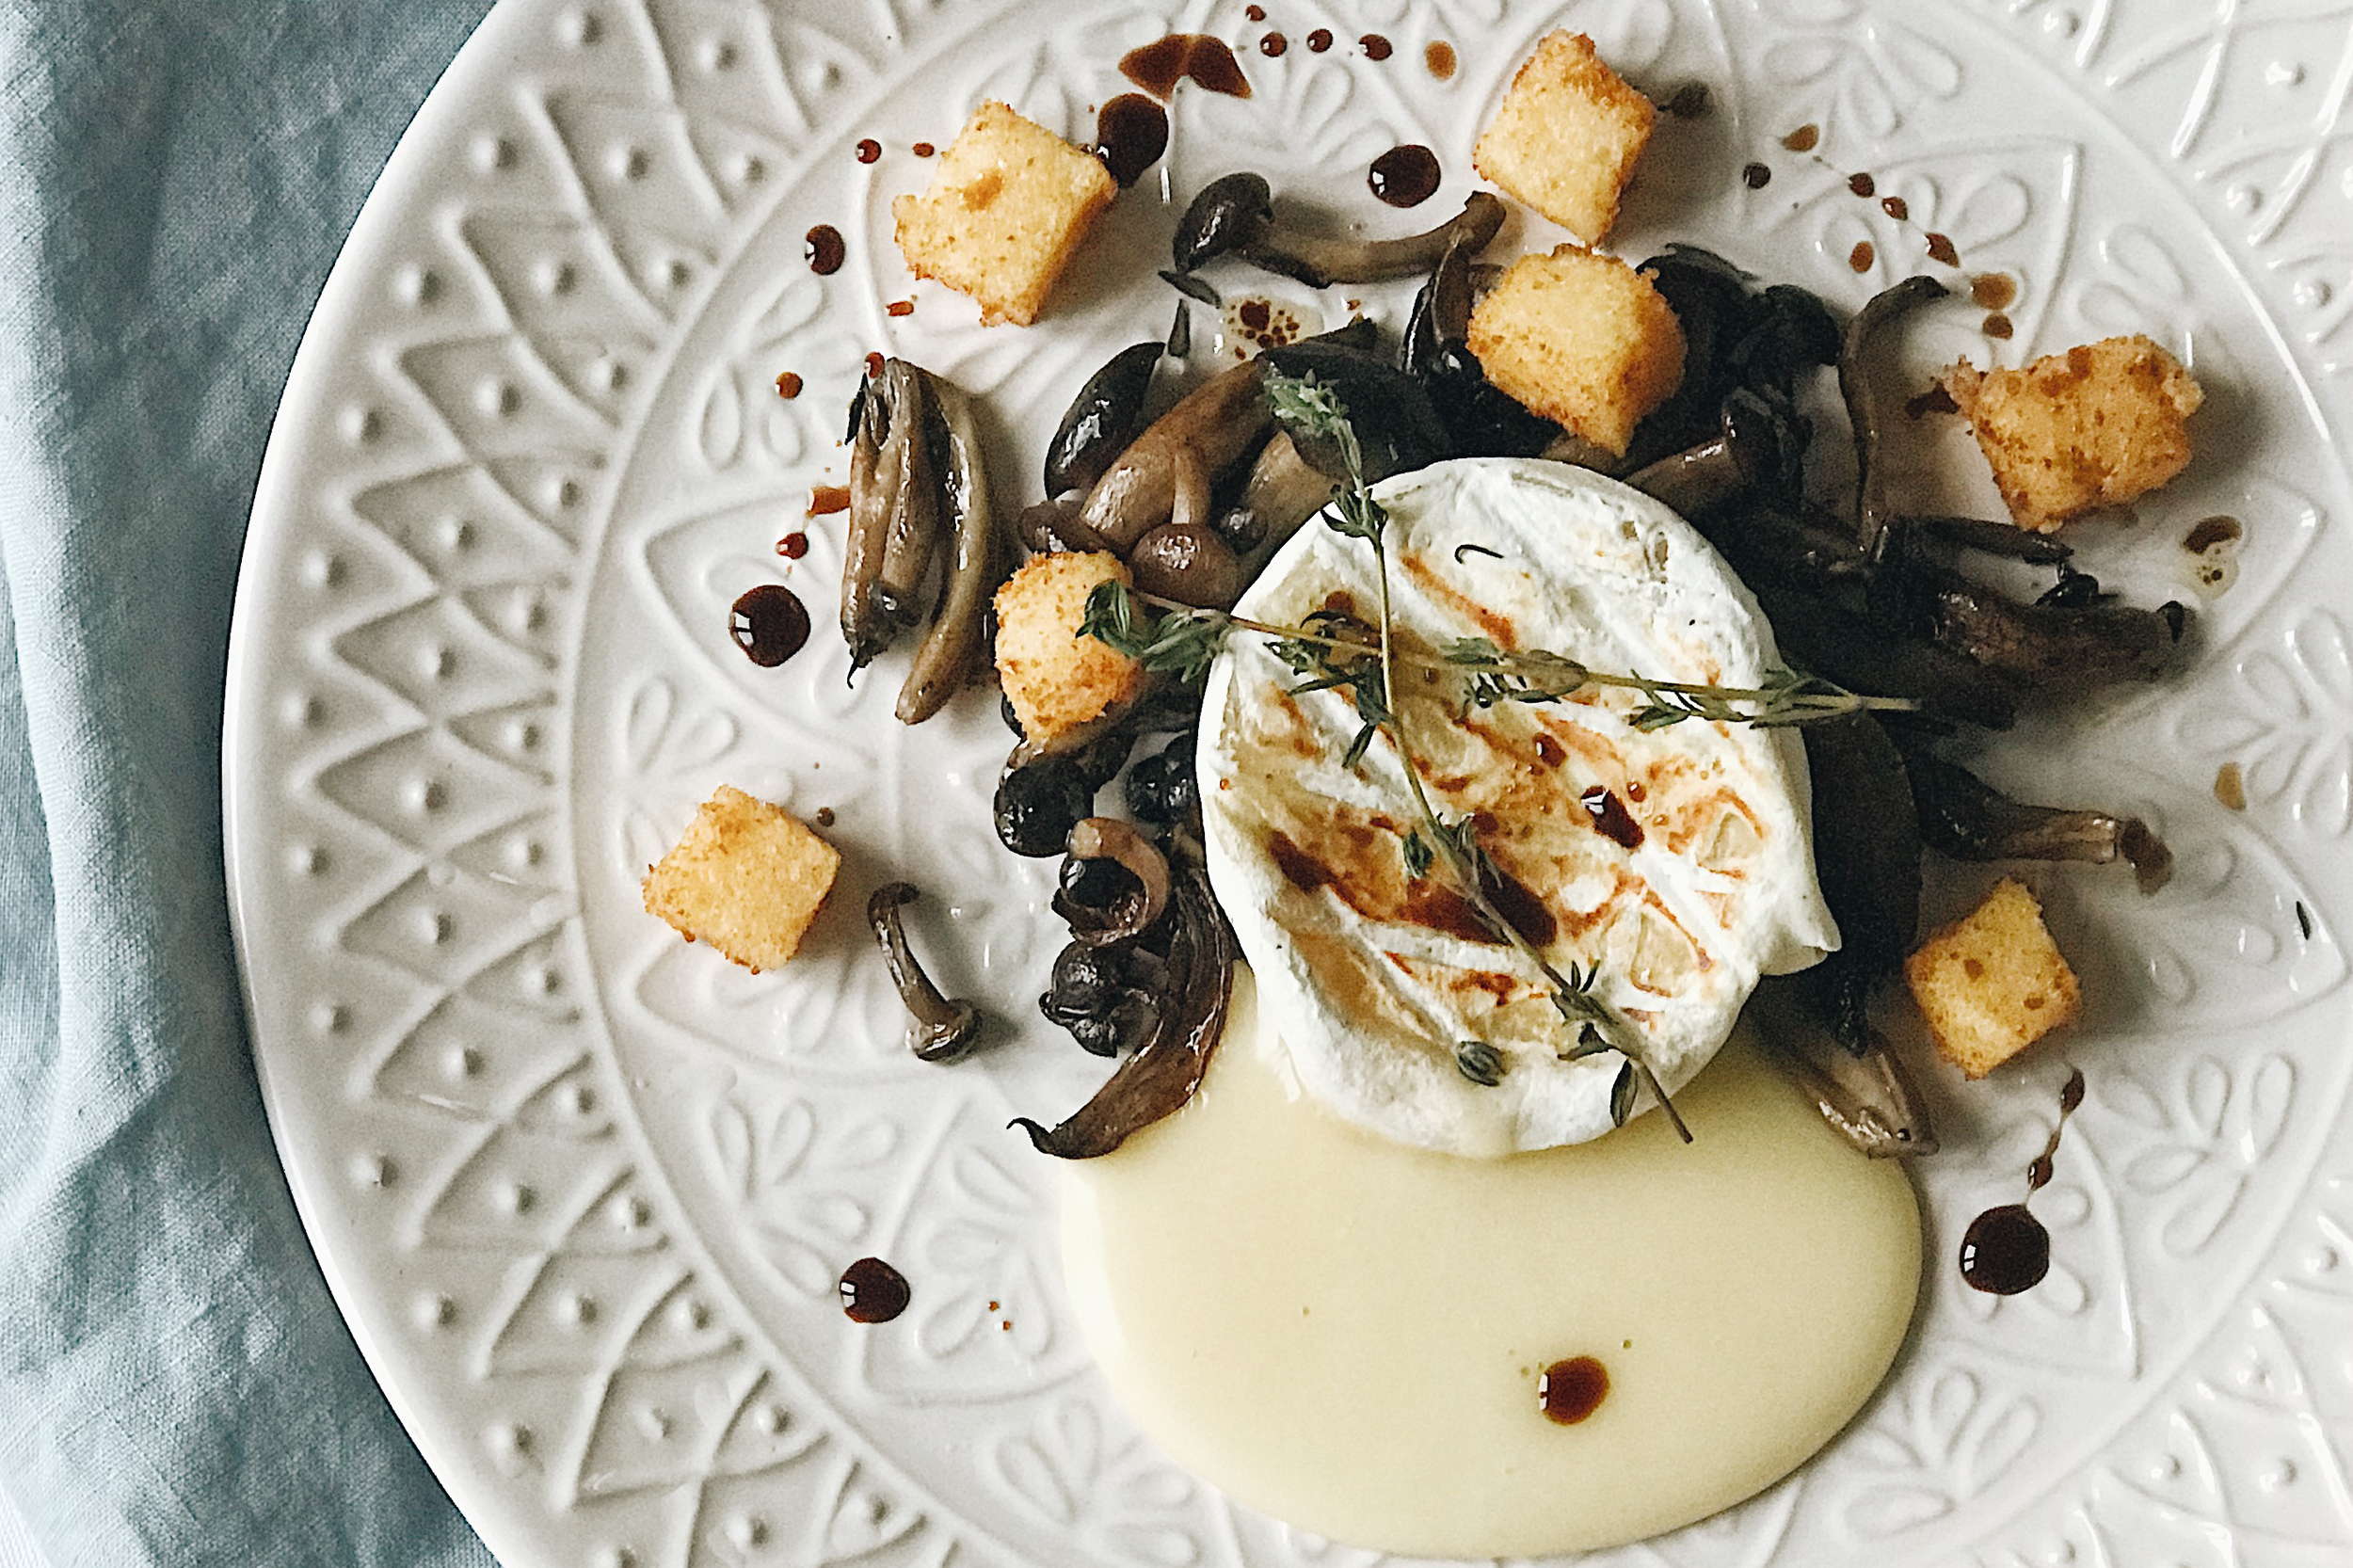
pixel 1352 1335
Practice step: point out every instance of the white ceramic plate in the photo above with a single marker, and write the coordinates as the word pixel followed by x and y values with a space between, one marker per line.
pixel 583 1191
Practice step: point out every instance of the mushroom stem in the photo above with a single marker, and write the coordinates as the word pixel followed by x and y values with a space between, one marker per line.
pixel 1319 260
pixel 1865 1095
pixel 1880 538
pixel 1964 817
pixel 943 1030
pixel 1214 427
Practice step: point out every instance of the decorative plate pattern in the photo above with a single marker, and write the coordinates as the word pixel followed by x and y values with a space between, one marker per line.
pixel 582 1191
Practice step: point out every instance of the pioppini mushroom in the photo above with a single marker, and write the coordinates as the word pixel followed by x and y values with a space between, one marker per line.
pixel 1103 906
pixel 1865 1093
pixel 1207 432
pixel 1963 817
pixel 1876 529
pixel 1188 562
pixel 1866 853
pixel 1753 443
pixel 943 1030
pixel 1101 420
pixel 1235 215
pixel 950 651
pixel 2054 646
pixel 1167 1067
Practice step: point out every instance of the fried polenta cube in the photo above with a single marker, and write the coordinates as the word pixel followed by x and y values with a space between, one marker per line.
pixel 1566 135
pixel 1993 982
pixel 1004 214
pixel 2073 432
pixel 1580 338
pixel 746 877
pixel 1055 678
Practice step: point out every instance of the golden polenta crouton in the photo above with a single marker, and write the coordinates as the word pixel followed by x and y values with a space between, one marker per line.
pixel 2094 426
pixel 1993 982
pixel 1056 679
pixel 746 877
pixel 1580 338
pixel 1566 135
pixel 1010 203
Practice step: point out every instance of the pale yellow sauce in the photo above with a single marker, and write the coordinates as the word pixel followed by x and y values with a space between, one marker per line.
pixel 1347 1333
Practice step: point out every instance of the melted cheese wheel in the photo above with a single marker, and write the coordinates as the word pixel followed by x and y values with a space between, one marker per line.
pixel 1349 1334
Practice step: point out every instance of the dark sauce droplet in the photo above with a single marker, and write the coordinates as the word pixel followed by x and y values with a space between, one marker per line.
pixel 923 150
pixel 789 385
pixel 1941 249
pixel 1862 256
pixel 824 249
pixel 1994 291
pixel 1997 325
pixel 872 1291
pixel 868 151
pixel 1757 176
pixel 1130 133
pixel 2005 1251
pixel 825 500
pixel 1376 47
pixel 1272 45
pixel 1318 40
pixel 770 624
pixel 1612 820
pixel 1438 56
pixel 1803 139
pixel 874 364
pixel 1863 185
pixel 793 545
pixel 1406 176
pixel 1895 207
pixel 1571 1390
pixel 1255 13
pixel 1208 62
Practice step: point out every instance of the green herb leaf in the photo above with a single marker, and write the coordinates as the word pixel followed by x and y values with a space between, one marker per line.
pixel 1418 854
pixel 1480 1061
pixel 1622 1094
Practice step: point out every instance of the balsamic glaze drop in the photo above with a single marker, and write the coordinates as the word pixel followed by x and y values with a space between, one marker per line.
pixel 872 1291
pixel 770 624
pixel 1130 133
pixel 825 249
pixel 1571 1390
pixel 1406 176
pixel 1612 820
pixel 2006 1249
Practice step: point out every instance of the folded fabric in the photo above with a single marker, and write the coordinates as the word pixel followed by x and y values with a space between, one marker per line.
pixel 175 1384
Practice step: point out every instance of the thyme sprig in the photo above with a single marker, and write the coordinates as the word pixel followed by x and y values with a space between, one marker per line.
pixel 1183 640
pixel 1310 409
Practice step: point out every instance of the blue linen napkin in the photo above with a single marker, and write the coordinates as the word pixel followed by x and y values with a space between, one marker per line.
pixel 175 178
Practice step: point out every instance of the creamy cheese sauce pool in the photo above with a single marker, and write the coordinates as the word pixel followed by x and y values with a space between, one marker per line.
pixel 1348 1333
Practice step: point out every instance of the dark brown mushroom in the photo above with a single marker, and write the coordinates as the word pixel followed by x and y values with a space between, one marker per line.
pixel 1166 1069
pixel 1188 562
pixel 1964 817
pixel 1866 1094
pixel 1132 910
pixel 1101 420
pixel 1235 215
pixel 943 1030
pixel 1855 385
pixel 2050 646
pixel 1209 430
pixel 953 648
pixel 1866 852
